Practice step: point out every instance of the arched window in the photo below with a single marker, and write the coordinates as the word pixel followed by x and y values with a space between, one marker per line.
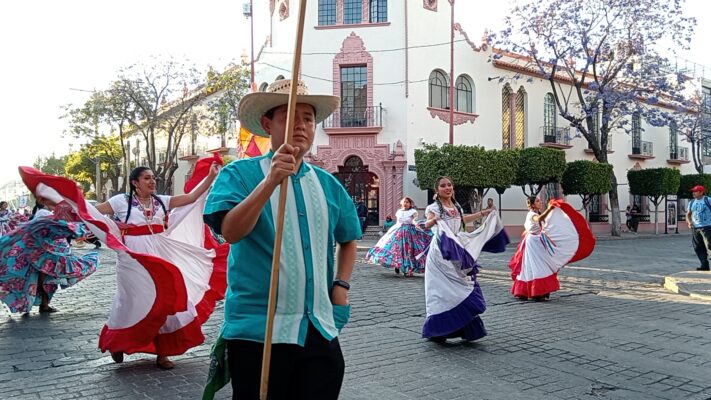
pixel 279 77
pixel 263 87
pixel 520 125
pixel 439 89
pixel 513 118
pixel 506 98
pixel 549 119
pixel 465 94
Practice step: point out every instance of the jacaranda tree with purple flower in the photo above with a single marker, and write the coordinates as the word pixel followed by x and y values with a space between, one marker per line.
pixel 604 61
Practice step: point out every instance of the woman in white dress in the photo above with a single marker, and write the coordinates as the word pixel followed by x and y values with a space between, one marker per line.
pixel 170 271
pixel 401 245
pixel 453 297
pixel 552 238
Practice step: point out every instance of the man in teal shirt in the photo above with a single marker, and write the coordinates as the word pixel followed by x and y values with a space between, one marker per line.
pixel 312 298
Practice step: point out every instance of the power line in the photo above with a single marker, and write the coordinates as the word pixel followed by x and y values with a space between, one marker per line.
pixel 369 51
pixel 288 71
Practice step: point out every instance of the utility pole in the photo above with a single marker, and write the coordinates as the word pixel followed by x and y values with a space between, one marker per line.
pixel 451 75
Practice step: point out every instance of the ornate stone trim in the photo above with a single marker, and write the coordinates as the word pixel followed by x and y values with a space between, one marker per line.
pixel 484 46
pixel 388 166
pixel 459 117
pixel 284 10
pixel 430 5
pixel 353 53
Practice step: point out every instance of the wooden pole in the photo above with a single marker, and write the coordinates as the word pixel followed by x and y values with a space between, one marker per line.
pixel 283 189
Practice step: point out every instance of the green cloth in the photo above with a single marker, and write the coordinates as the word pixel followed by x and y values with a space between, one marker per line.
pixel 219 373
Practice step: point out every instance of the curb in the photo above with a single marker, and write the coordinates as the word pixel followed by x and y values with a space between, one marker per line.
pixel 695 284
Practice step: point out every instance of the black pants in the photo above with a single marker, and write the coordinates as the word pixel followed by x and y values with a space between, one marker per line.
pixel 635 224
pixel 701 240
pixel 314 371
pixel 629 225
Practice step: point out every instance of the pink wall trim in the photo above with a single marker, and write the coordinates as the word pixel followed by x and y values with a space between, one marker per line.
pixel 388 166
pixel 459 117
pixel 352 53
pixel 346 26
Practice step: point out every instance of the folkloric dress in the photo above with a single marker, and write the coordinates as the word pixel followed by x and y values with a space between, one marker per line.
pixel 168 279
pixel 5 216
pixel 401 245
pixel 453 296
pixel 564 237
pixel 40 246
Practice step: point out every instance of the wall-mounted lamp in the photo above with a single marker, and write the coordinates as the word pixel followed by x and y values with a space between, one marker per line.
pixel 491 78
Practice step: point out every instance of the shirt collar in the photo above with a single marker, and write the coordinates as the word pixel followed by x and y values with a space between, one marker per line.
pixel 303 169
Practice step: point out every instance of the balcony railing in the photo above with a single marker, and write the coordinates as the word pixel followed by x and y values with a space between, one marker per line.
pixel 678 153
pixel 355 117
pixel 556 135
pixel 642 148
pixel 609 144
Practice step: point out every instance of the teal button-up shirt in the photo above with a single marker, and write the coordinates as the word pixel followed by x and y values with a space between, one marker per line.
pixel 249 264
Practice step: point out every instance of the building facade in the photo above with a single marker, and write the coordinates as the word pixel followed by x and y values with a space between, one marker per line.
pixel 391 64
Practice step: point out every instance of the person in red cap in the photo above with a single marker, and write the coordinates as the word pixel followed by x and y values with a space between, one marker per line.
pixel 698 217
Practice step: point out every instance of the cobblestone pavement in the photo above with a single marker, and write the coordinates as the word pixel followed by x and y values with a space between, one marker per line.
pixel 612 332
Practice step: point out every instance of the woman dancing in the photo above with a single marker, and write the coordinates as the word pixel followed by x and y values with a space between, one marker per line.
pixel 402 243
pixel 553 238
pixel 170 269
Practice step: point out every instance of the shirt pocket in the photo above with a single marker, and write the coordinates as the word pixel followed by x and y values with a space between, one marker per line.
pixel 341 315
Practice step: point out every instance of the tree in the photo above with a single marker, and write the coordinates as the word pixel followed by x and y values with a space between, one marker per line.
pixel 473 169
pixel 586 179
pixel 694 124
pixel 225 91
pixel 600 59
pixel 81 164
pixel 152 101
pixel 51 165
pixel 689 181
pixel 104 113
pixel 655 183
pixel 537 167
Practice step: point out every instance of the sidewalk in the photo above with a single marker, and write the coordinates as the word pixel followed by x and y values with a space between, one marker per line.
pixel 696 284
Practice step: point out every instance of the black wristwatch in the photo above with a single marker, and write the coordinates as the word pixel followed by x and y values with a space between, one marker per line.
pixel 342 283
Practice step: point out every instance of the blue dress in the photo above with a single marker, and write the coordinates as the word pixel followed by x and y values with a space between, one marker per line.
pixel 402 247
pixel 40 246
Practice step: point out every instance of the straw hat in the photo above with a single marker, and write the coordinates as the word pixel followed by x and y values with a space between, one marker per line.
pixel 254 105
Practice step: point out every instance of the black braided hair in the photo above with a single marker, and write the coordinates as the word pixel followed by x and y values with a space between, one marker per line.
pixel 134 176
pixel 441 206
pixel 530 202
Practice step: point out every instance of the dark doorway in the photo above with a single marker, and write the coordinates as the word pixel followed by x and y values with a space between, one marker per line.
pixel 359 182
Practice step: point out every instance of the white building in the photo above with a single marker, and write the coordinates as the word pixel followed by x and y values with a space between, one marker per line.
pixel 389 61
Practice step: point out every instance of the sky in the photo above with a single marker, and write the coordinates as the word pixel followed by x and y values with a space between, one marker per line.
pixel 55 52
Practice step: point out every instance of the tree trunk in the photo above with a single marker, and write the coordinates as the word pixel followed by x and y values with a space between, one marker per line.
pixel 614 207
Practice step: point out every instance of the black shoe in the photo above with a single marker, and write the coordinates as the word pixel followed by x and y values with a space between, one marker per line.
pixel 97 246
pixel 397 271
pixel 702 269
pixel 438 339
